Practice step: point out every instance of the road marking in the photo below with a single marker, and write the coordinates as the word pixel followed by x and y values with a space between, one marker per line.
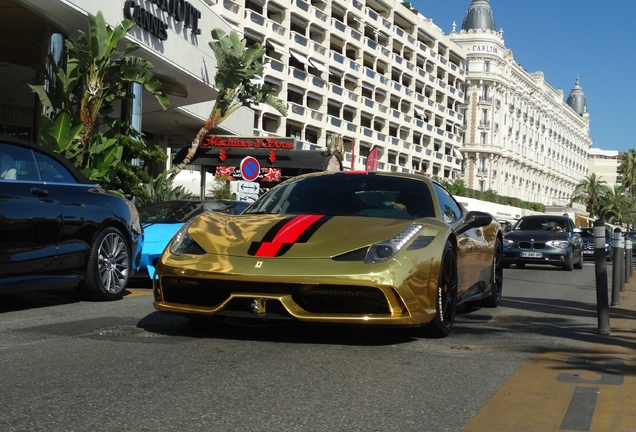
pixel 133 292
pixel 557 391
pixel 581 410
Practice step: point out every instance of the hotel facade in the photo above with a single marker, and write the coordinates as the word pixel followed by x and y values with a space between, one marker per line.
pixel 521 139
pixel 355 75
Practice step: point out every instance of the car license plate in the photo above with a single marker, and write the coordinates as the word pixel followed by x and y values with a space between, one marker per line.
pixel 587 252
pixel 531 254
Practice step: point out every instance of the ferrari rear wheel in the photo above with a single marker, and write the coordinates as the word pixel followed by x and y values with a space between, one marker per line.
pixel 446 298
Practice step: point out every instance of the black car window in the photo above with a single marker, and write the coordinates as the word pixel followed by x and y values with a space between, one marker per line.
pixel 350 195
pixel 17 163
pixel 540 224
pixel 451 211
pixel 52 171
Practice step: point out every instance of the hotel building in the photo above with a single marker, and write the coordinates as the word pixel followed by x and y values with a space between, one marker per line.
pixel 606 165
pixel 521 139
pixel 363 73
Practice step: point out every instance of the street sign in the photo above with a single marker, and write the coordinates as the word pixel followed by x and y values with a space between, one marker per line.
pixel 250 168
pixel 246 197
pixel 248 187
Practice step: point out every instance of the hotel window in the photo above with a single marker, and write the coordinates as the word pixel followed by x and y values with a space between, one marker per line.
pixel 483 138
pixel 485 92
pixel 486 66
pixel 482 185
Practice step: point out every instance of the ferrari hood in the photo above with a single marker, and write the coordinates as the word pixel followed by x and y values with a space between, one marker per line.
pixel 290 236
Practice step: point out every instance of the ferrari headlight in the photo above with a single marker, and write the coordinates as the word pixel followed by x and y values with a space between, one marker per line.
pixel 560 244
pixel 383 251
pixel 182 241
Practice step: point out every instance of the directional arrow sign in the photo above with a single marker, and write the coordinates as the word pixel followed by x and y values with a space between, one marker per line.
pixel 246 197
pixel 248 187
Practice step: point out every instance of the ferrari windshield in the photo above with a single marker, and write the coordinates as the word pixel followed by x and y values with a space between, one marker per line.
pixel 370 195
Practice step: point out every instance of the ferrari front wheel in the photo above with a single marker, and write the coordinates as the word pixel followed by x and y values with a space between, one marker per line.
pixel 446 297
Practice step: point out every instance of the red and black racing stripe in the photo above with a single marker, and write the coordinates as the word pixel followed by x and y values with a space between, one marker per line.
pixel 282 236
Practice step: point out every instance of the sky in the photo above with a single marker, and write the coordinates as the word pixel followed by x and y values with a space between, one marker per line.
pixel 593 39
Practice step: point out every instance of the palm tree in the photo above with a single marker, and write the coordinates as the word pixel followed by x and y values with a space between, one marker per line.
pixel 237 66
pixel 590 192
pixel 82 91
pixel 615 206
pixel 628 169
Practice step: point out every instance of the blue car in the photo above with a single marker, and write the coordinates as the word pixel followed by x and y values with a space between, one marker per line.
pixel 162 220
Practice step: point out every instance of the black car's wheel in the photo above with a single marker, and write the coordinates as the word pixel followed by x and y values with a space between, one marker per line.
pixel 520 265
pixel 568 266
pixel 109 266
pixel 496 278
pixel 446 299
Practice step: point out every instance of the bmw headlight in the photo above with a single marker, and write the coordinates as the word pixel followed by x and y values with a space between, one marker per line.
pixel 560 244
pixel 385 250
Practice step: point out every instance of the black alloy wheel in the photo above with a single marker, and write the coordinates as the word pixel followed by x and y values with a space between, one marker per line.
pixel 446 298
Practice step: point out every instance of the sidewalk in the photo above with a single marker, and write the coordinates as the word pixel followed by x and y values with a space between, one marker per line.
pixel 590 389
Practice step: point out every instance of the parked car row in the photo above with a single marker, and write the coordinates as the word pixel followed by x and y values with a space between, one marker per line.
pixel 365 248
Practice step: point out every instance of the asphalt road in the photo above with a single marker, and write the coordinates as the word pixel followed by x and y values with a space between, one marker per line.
pixel 67 365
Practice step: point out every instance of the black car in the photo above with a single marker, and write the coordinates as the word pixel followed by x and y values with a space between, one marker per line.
pixel 544 239
pixel 587 234
pixel 58 229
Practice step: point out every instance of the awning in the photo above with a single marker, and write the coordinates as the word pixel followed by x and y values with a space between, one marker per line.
pixel 420 112
pixel 368 86
pixel 301 58
pixel 458 154
pixel 292 162
pixel 318 65
pixel 336 72
pixel 351 78
pixel 278 48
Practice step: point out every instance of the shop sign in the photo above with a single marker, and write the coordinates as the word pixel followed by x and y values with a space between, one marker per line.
pixel 152 20
pixel 249 142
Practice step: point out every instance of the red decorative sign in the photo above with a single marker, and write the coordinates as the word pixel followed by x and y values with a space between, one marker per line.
pixel 372 160
pixel 272 175
pixel 272 156
pixel 249 142
pixel 222 155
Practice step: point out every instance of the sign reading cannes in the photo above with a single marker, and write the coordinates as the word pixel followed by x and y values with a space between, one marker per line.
pixel 250 168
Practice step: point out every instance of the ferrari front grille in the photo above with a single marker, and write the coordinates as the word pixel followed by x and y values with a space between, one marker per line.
pixel 318 299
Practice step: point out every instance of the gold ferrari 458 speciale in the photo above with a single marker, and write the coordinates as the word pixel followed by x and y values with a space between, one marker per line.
pixel 348 247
